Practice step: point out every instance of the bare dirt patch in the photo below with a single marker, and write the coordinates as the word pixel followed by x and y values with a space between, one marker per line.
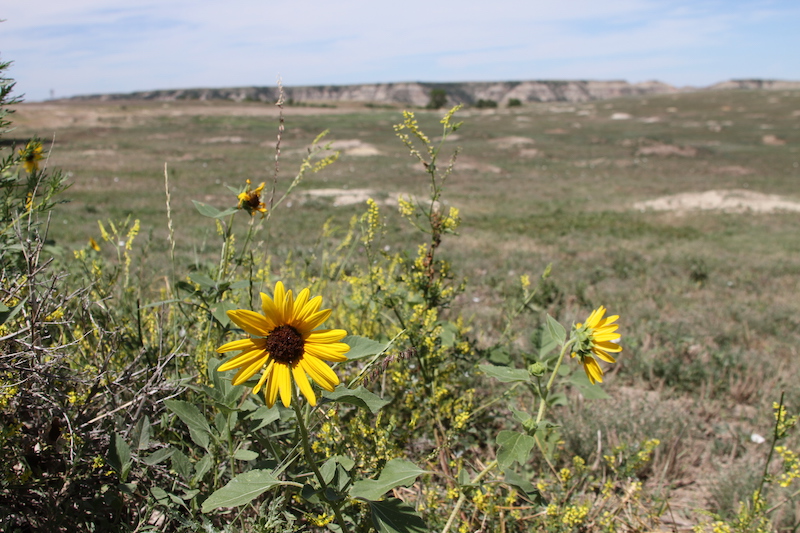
pixel 511 142
pixel 772 140
pixel 732 170
pixel 355 147
pixel 661 149
pixel 724 200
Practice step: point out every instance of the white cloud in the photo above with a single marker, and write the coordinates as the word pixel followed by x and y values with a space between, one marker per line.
pixel 86 46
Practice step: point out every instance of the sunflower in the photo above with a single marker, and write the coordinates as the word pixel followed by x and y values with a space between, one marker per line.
pixel 596 337
pixel 250 200
pixel 284 344
pixel 30 156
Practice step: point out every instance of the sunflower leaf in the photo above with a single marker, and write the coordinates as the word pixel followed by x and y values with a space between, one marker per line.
pixel 211 211
pixel 359 397
pixel 394 516
pixel 505 374
pixel 242 489
pixel 514 446
pixel 396 473
pixel 361 347
pixel 119 456
pixel 557 332
pixel 199 429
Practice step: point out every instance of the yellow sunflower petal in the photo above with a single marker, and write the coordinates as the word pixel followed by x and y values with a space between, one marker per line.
pixel 264 376
pixel 249 370
pixel 593 370
pixel 270 310
pixel 595 317
pixel 608 346
pixel 302 383
pixel 241 344
pixel 325 336
pixel 603 337
pixel 250 321
pixel 279 297
pixel 271 389
pixel 328 352
pixel 283 377
pixel 605 356
pixel 242 359
pixel 320 372
pixel 311 307
pixel 312 322
pixel 299 303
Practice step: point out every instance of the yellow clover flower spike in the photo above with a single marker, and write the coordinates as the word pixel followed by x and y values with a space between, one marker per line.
pixel 30 156
pixel 285 344
pixel 597 337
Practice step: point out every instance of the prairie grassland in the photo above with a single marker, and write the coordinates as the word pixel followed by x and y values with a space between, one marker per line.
pixel 708 298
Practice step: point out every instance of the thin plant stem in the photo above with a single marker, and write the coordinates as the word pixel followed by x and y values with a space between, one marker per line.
pixel 462 498
pixel 543 398
pixel 301 426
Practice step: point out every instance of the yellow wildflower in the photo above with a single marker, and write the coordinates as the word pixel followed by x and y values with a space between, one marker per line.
pixel 597 336
pixel 286 343
pixel 31 155
pixel 250 200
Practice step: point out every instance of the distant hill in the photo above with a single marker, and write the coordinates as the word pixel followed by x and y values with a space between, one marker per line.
pixel 418 93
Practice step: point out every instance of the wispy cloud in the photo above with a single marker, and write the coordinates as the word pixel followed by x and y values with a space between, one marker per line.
pixel 90 46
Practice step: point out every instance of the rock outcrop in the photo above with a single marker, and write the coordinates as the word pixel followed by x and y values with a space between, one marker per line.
pixel 412 93
pixel 418 93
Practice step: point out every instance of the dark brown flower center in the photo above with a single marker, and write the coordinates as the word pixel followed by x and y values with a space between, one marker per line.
pixel 253 200
pixel 285 344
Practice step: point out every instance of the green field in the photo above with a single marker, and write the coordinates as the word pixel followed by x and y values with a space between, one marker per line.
pixel 709 299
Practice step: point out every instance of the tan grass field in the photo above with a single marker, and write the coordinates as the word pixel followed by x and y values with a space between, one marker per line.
pixel 679 213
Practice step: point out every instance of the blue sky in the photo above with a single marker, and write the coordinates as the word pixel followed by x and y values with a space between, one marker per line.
pixel 99 46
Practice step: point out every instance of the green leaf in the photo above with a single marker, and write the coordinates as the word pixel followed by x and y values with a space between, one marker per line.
pixel 182 465
pixel 557 332
pixel 119 456
pixel 523 485
pixel 360 397
pixel 141 433
pixel 245 455
pixel 201 467
pixel 505 374
pixel 585 387
pixel 160 495
pixel 265 415
pixel 7 313
pixel 395 516
pixel 449 334
pixel 202 280
pixel 396 473
pixel 212 212
pixel 158 456
pixel 199 429
pixel 514 446
pixel 361 347
pixel 242 489
pixel 220 312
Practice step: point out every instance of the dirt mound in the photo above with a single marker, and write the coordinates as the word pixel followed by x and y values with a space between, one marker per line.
pixel 511 142
pixel 666 150
pixel 355 147
pixel 726 200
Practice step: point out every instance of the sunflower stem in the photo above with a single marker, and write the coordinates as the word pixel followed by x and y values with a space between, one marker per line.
pixel 543 397
pixel 301 425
